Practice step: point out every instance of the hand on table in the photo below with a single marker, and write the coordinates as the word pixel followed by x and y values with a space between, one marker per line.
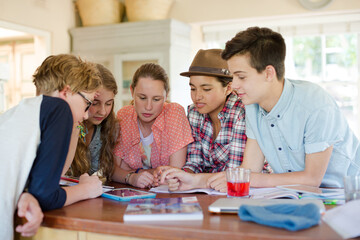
pixel 143 179
pixel 29 208
pixel 92 184
pixel 218 182
pixel 177 179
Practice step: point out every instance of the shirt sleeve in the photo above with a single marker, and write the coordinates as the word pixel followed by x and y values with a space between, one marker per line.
pixel 178 128
pixel 249 132
pixel 56 125
pixel 322 129
pixel 194 158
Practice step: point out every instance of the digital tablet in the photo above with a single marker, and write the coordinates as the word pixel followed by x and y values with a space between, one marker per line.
pixel 312 190
pixel 126 194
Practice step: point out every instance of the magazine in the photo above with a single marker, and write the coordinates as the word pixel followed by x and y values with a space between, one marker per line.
pixel 163 209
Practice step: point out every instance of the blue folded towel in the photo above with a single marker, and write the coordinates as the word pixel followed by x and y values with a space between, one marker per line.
pixel 292 217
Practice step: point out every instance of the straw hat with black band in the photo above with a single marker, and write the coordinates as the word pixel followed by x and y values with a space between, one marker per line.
pixel 208 63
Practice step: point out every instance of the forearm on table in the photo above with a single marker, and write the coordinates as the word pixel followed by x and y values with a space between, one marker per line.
pixel 75 193
pixel 276 179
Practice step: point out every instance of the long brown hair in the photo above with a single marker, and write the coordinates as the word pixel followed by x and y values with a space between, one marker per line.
pixel 108 135
pixel 154 71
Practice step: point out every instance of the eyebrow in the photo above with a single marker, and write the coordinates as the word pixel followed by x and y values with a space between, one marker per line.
pixel 239 71
pixel 202 85
pixel 141 94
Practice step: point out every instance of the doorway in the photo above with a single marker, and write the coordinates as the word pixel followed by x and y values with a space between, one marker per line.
pixel 22 50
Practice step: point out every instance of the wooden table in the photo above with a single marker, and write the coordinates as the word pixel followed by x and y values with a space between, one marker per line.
pixel 102 218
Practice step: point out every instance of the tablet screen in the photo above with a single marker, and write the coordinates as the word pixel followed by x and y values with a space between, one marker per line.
pixel 125 192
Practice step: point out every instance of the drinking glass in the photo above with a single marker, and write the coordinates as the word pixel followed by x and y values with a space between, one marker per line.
pixel 238 182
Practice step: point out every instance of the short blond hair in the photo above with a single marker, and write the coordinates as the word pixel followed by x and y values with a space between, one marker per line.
pixel 57 71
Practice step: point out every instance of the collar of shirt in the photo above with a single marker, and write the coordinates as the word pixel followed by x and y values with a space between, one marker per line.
pixel 282 104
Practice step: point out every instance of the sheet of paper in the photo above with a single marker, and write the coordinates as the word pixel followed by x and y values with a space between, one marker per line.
pixel 345 219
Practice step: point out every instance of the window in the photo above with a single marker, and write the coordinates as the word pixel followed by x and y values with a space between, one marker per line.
pixel 322 48
pixel 332 62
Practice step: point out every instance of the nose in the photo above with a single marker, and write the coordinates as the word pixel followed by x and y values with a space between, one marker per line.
pixel 236 84
pixel 102 110
pixel 198 95
pixel 148 105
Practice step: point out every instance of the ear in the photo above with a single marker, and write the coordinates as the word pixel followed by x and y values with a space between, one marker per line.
pixel 270 73
pixel 64 92
pixel 229 88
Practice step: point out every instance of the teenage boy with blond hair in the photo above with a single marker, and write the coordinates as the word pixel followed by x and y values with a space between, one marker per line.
pixel 295 125
pixel 35 137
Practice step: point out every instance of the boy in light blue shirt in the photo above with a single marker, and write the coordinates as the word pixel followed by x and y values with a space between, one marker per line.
pixel 295 125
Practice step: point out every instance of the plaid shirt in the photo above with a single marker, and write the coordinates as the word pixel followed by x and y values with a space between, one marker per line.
pixel 206 155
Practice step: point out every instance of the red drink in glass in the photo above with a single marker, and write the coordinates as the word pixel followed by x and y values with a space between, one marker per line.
pixel 238 189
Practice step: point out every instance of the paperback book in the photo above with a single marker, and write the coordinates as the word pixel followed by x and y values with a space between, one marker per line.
pixel 163 209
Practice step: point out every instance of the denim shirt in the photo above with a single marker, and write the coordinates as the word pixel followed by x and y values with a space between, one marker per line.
pixel 305 120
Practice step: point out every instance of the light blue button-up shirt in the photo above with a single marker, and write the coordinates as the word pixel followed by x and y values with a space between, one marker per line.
pixel 305 120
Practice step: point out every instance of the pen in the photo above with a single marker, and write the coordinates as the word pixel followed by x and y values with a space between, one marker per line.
pixel 77 181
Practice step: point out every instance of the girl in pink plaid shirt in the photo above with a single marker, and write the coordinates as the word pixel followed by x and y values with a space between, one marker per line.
pixel 153 133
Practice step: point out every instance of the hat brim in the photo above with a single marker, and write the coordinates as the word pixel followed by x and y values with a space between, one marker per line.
pixel 192 73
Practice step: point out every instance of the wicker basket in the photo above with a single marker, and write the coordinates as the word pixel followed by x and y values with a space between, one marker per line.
pixel 142 10
pixel 99 12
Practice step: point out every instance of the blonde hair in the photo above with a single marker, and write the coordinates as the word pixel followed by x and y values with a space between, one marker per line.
pixel 109 130
pixel 58 71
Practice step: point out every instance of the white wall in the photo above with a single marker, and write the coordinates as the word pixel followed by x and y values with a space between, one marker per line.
pixel 58 16
pixel 195 11
pixel 53 16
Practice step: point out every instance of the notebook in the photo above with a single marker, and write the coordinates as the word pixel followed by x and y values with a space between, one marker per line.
pixel 231 205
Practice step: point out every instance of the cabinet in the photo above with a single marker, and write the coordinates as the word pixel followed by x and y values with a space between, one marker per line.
pixel 124 47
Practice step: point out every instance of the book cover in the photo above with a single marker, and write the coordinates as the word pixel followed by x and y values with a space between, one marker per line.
pixel 163 209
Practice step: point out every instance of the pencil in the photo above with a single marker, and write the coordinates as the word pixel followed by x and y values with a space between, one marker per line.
pixel 70 179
